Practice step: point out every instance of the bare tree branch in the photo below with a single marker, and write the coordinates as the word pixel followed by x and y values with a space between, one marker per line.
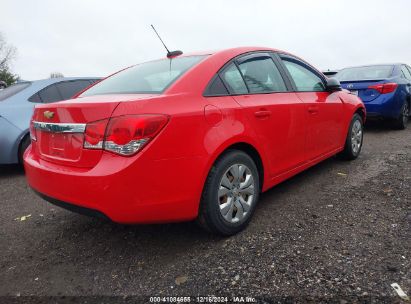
pixel 7 53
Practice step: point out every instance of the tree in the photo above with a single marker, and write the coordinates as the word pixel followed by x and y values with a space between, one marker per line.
pixel 8 77
pixel 7 54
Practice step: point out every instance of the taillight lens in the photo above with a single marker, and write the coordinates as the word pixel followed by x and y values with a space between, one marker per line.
pixel 124 135
pixel 33 136
pixel 94 135
pixel 384 88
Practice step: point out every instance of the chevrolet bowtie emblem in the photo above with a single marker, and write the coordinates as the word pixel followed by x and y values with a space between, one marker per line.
pixel 48 114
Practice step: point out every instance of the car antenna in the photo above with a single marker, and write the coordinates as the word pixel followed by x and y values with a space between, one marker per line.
pixel 169 54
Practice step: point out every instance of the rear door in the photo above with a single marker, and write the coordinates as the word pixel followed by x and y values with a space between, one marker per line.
pixel 322 109
pixel 276 114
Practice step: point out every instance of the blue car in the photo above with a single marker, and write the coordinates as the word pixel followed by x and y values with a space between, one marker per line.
pixel 16 108
pixel 384 89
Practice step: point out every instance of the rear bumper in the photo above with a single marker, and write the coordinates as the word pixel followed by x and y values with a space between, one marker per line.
pixel 73 208
pixel 124 190
pixel 384 106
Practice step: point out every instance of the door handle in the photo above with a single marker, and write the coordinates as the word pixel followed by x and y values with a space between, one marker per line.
pixel 312 109
pixel 262 114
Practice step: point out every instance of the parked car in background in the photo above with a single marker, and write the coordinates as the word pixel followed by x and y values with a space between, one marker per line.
pixel 330 73
pixel 192 136
pixel 3 85
pixel 385 90
pixel 16 108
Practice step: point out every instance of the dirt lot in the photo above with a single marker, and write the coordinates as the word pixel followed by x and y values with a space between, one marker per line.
pixel 338 230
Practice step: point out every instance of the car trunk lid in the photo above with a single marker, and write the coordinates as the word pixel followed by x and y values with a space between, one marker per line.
pixel 59 128
pixel 362 89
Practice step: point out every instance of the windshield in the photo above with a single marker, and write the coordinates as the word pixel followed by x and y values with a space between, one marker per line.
pixel 13 90
pixel 146 78
pixel 365 73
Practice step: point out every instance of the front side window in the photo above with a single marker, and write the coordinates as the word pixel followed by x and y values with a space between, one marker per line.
pixel 233 79
pixel 13 90
pixel 304 79
pixel 147 78
pixel 262 76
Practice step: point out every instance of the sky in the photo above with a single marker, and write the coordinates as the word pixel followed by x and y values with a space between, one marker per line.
pixel 99 37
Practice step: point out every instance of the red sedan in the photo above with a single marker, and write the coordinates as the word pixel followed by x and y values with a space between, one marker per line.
pixel 196 136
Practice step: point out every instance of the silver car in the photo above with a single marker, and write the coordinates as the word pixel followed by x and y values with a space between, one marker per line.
pixel 16 108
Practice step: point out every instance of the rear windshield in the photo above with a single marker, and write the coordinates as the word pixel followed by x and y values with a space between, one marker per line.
pixel 13 90
pixel 146 78
pixel 365 73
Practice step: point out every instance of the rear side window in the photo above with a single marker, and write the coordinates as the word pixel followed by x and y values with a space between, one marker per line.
pixel 261 75
pixel 12 90
pixel 35 98
pixel 233 79
pixel 374 72
pixel 405 72
pixel 50 94
pixel 149 78
pixel 69 88
pixel 304 79
pixel 216 88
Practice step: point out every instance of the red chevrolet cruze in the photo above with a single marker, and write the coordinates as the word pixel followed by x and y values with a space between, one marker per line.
pixel 191 137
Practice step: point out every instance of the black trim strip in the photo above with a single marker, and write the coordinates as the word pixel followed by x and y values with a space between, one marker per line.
pixel 74 208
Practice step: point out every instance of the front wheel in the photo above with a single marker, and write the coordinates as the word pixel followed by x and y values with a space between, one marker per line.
pixel 353 142
pixel 230 194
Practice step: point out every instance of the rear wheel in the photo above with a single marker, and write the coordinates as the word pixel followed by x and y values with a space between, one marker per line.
pixel 353 142
pixel 402 121
pixel 230 194
pixel 25 143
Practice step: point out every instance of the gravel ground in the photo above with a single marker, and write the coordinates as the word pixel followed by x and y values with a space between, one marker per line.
pixel 338 232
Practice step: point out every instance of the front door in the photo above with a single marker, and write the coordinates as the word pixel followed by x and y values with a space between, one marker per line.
pixel 322 109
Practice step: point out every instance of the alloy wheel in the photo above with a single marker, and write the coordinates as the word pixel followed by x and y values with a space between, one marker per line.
pixel 236 193
pixel 356 136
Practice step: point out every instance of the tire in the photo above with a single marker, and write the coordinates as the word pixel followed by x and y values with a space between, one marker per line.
pixel 354 140
pixel 402 121
pixel 228 203
pixel 25 143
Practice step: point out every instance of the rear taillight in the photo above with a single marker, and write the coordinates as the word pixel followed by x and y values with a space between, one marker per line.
pixel 94 135
pixel 124 135
pixel 33 136
pixel 384 88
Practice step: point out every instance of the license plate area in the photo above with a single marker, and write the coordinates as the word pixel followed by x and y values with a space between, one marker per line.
pixel 62 146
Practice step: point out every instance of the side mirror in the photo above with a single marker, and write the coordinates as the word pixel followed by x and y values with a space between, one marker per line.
pixel 333 85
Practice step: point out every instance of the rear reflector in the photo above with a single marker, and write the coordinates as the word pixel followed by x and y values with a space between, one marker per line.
pixel 32 131
pixel 33 135
pixel 124 135
pixel 384 88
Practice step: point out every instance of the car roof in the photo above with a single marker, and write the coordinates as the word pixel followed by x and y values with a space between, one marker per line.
pixel 54 80
pixel 231 51
pixel 372 65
